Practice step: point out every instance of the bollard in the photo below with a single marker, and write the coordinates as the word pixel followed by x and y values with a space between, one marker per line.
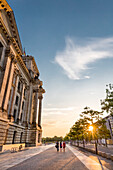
pixel 100 153
pixel 112 157
pixel 108 155
pixel 104 154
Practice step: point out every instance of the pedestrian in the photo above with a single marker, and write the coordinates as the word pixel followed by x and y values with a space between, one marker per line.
pixel 64 145
pixel 57 146
pixel 60 146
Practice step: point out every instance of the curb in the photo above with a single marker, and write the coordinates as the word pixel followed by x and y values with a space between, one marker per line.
pixel 26 148
pixel 100 153
pixel 1 153
pixel 8 151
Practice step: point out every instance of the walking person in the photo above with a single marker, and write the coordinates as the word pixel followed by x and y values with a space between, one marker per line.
pixel 57 146
pixel 64 145
pixel 60 146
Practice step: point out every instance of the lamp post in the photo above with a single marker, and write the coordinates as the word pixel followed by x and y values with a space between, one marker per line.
pixel 91 128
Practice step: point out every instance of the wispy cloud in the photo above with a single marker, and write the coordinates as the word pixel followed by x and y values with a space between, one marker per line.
pixel 49 123
pixel 76 57
pixel 59 109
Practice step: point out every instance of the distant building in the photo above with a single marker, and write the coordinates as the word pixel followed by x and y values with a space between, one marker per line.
pixel 109 124
pixel 21 91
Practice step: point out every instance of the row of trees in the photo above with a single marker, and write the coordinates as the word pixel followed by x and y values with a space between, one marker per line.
pixel 52 139
pixel 90 125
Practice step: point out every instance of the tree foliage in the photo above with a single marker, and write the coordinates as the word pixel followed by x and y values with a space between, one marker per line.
pixel 52 139
pixel 107 103
pixel 80 130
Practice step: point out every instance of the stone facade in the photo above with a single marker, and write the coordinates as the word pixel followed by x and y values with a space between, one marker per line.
pixel 20 87
pixel 109 124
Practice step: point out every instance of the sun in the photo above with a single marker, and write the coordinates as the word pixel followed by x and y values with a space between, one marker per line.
pixel 90 128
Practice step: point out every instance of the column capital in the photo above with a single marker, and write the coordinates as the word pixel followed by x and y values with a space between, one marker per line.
pixel 35 90
pixel 41 90
pixel 40 97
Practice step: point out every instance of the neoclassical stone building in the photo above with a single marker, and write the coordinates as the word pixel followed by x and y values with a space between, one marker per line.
pixel 21 91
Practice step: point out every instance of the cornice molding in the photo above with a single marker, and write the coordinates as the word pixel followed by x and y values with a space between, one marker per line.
pixel 25 58
pixel 5 6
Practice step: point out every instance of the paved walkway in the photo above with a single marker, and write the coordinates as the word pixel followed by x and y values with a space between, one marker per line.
pixel 10 159
pixel 87 161
pixel 52 160
pixel 46 158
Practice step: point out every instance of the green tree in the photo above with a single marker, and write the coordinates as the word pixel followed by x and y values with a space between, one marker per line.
pixel 52 139
pixel 103 131
pixel 107 103
pixel 83 127
pixel 92 116
pixel 66 138
pixel 77 130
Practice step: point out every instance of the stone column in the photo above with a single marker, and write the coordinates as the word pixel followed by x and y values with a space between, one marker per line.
pixel 35 109
pixel 20 102
pixel 30 103
pixel 5 74
pixel 26 105
pixel 12 96
pixel 37 138
pixel 13 100
pixel 40 109
pixel 9 87
pixel 10 99
pixel 3 87
pixel 32 108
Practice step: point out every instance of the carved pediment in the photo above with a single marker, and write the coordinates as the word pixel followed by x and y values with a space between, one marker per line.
pixel 8 19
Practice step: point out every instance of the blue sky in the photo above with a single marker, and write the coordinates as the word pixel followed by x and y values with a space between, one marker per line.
pixel 72 42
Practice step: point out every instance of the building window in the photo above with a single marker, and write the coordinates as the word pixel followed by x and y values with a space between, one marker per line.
pixel 14 79
pixel 21 117
pixel 1 50
pixel 39 138
pixel 14 114
pixel 16 102
pixel 22 105
pixel 14 136
pixel 21 137
pixel 19 86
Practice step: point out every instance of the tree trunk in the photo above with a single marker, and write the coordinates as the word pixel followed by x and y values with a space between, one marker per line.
pixel 106 142
pixel 83 144
pixel 96 149
pixel 78 143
